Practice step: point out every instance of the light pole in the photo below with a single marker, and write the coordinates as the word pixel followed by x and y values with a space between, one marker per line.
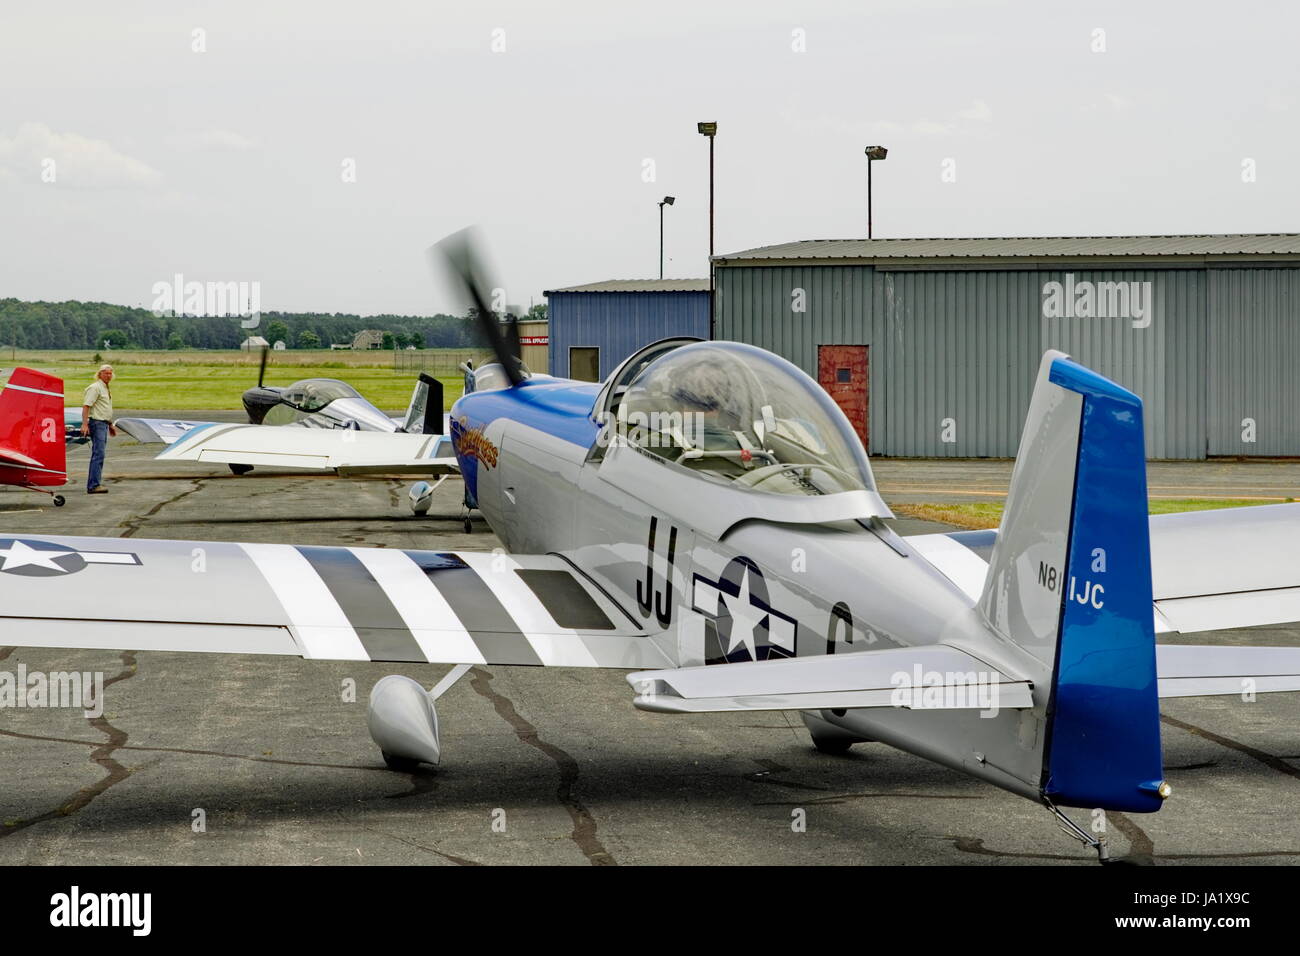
pixel 667 200
pixel 710 130
pixel 873 153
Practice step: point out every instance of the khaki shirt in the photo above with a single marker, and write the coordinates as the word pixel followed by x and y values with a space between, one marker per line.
pixel 100 400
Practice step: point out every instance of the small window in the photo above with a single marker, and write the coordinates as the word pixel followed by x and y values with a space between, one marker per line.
pixel 584 364
pixel 843 376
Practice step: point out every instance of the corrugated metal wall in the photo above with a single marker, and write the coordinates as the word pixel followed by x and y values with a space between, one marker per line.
pixel 1254 347
pixel 1160 356
pixel 619 323
pixel 965 345
pixel 952 362
pixel 790 310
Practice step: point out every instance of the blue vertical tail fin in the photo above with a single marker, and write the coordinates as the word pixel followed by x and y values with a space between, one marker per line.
pixel 1070 582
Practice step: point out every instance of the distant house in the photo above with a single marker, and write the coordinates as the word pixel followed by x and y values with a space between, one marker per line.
pixel 368 339
pixel 254 342
pixel 279 345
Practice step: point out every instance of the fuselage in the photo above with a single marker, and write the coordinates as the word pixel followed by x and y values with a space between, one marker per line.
pixel 715 575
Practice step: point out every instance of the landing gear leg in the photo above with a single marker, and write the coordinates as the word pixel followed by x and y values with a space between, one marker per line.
pixel 470 505
pixel 55 498
pixel 1083 836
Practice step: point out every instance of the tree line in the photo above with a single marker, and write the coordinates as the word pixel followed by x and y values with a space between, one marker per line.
pixel 89 325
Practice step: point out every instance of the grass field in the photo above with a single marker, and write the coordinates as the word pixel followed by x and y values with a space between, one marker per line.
pixel 983 514
pixel 199 380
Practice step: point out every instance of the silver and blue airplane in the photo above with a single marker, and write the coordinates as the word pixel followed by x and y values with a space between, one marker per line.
pixel 707 520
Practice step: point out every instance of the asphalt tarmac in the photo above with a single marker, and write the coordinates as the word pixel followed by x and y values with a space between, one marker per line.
pixel 221 759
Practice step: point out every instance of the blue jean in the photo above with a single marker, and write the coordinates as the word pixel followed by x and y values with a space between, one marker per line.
pixel 98 445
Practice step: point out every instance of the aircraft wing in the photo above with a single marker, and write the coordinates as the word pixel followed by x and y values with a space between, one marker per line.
pixel 344 451
pixel 1211 570
pixel 861 679
pixel 322 603
pixel 153 431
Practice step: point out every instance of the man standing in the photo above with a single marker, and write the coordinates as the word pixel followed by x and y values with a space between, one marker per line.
pixel 97 422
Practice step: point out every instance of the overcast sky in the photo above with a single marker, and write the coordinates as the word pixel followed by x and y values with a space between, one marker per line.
pixel 228 165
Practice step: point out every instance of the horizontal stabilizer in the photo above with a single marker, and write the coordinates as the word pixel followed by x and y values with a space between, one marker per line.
pixel 1194 670
pixel 17 457
pixel 1211 570
pixel 933 676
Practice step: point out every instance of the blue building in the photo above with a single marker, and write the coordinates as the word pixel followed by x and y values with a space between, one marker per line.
pixel 594 327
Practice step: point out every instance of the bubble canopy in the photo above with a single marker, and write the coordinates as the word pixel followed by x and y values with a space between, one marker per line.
pixel 737 414
pixel 313 394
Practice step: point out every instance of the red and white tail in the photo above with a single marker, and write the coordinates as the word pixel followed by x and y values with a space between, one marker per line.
pixel 32 445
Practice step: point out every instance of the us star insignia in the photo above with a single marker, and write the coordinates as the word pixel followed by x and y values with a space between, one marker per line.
pixel 742 623
pixel 41 559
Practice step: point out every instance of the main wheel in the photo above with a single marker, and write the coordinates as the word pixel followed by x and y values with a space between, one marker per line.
pixel 832 745
pixel 467 526
pixel 59 501
pixel 400 764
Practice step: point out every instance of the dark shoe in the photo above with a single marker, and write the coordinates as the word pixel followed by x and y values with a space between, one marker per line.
pixel 100 490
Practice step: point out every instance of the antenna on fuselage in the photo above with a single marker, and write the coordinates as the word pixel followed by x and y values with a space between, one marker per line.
pixel 261 372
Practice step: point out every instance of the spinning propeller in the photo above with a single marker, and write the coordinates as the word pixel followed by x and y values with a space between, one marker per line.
pixel 457 254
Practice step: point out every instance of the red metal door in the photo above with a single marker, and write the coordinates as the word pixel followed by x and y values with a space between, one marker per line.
pixel 842 371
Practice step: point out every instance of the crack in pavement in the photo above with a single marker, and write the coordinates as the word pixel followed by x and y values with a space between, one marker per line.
pixel 584 824
pixel 844 797
pixel 1267 759
pixel 1141 848
pixel 132 525
pixel 196 753
pixel 976 846
pixel 102 755
pixel 760 776
pixel 458 860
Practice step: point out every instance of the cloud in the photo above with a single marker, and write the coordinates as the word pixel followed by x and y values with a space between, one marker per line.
pixel 977 112
pixel 78 162
pixel 212 139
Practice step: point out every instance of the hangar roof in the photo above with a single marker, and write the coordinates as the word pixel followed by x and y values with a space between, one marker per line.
pixel 639 285
pixel 1250 246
